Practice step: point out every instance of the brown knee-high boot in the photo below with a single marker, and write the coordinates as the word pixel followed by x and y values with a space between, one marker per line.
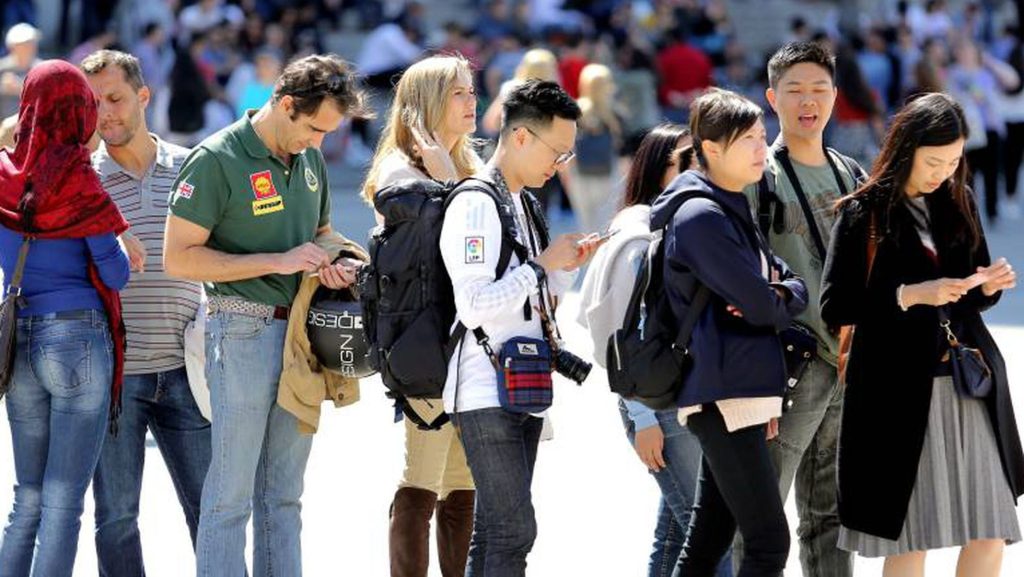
pixel 454 525
pixel 409 536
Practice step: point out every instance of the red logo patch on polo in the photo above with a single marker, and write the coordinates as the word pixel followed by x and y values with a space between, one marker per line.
pixel 262 185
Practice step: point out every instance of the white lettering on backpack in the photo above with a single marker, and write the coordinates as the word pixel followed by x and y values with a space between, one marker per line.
pixel 330 320
pixel 527 349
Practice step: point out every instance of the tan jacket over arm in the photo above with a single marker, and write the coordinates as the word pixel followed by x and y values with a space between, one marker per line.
pixel 304 383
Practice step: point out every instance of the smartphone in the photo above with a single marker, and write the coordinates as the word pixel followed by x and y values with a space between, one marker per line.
pixel 600 238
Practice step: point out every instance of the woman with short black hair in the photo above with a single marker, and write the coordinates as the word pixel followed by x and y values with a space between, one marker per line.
pixel 732 392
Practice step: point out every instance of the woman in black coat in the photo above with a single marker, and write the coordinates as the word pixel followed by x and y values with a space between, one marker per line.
pixel 920 467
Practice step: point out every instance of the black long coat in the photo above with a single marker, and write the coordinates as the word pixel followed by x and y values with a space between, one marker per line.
pixel 895 354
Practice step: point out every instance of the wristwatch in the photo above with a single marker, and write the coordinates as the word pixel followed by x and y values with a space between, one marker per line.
pixel 539 270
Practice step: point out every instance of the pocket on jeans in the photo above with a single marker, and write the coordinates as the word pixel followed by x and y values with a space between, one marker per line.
pixel 67 363
pixel 242 326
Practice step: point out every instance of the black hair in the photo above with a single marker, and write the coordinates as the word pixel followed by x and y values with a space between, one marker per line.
pixel 720 116
pixel 536 103
pixel 652 159
pixel 933 119
pixel 797 53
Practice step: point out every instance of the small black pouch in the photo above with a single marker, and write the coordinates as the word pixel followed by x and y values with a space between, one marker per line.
pixel 799 347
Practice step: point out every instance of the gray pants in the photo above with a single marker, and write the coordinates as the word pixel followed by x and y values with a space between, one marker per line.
pixel 805 452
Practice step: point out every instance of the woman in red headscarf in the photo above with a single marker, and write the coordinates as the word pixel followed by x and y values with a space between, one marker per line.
pixel 70 338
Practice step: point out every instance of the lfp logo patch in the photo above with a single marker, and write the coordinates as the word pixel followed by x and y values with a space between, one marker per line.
pixel 474 249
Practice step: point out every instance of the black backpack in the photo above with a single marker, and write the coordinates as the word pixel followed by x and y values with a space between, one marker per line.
pixel 648 357
pixel 406 293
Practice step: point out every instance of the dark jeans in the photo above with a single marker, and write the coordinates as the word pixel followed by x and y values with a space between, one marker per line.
pixel 163 404
pixel 737 488
pixel 986 162
pixel 501 448
pixel 804 455
pixel 1014 155
pixel 678 484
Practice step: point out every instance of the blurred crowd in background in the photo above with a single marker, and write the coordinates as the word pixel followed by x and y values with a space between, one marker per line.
pixel 631 63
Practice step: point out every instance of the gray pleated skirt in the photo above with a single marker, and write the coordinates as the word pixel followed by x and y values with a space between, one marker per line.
pixel 961 493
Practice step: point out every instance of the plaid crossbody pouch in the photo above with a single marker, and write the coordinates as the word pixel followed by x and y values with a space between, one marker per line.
pixel 524 375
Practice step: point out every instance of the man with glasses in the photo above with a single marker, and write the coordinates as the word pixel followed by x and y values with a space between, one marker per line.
pixel 537 136
pixel 244 212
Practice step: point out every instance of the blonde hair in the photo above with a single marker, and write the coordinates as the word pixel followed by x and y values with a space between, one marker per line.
pixel 597 91
pixel 422 95
pixel 538 63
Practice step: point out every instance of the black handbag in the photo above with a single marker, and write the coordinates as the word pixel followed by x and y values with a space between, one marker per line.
pixel 972 376
pixel 799 347
pixel 9 320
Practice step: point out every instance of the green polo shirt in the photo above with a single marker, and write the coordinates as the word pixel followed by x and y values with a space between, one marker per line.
pixel 252 202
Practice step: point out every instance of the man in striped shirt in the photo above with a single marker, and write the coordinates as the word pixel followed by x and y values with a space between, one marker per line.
pixel 138 170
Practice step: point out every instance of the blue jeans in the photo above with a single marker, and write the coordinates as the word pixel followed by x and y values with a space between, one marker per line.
pixel 163 404
pixel 259 457
pixel 501 449
pixel 57 407
pixel 678 483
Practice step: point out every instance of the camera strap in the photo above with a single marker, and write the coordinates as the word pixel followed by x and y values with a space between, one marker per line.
pixel 546 300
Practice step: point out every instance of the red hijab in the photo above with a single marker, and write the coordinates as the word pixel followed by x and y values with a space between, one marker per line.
pixel 48 188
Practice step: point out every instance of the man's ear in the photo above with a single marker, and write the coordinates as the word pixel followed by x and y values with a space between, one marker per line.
pixel 287 104
pixel 519 138
pixel 144 96
pixel 769 94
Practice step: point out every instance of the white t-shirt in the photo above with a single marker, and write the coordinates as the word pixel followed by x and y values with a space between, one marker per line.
pixel 470 246
pixel 387 48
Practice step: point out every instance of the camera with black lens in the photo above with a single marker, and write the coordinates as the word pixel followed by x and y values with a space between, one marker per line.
pixel 572 367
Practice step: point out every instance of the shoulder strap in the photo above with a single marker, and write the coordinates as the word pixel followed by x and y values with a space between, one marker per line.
pixel 700 301
pixel 766 200
pixel 19 268
pixel 854 168
pixel 782 156
pixel 509 243
pixel 419 421
pixel 872 245
pixel 535 212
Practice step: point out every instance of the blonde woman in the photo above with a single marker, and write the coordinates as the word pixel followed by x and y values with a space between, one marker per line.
pixel 536 63
pixel 541 64
pixel 595 173
pixel 428 136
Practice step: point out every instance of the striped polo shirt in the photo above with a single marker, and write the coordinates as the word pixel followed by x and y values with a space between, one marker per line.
pixel 156 307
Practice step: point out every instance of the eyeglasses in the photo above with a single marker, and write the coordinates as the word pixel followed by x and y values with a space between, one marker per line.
pixel 562 158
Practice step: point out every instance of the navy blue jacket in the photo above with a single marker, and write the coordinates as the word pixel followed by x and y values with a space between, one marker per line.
pixel 716 243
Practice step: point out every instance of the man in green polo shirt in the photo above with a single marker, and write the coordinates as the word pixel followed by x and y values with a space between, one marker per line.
pixel 244 212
